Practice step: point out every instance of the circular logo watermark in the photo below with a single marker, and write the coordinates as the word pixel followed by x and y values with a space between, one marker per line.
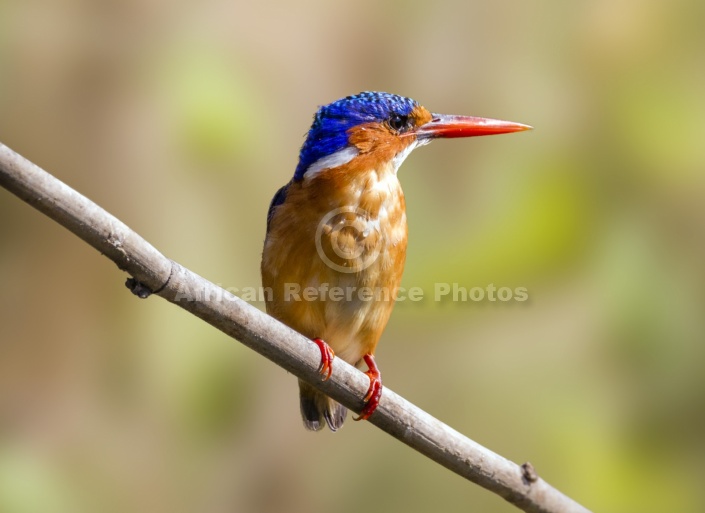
pixel 347 240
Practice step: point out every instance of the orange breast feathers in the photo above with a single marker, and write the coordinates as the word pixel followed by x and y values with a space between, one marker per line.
pixel 335 253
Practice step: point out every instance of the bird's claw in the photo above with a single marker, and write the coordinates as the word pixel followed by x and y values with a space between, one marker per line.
pixel 374 392
pixel 325 369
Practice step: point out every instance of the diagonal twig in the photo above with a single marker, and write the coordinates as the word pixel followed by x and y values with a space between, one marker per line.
pixel 152 271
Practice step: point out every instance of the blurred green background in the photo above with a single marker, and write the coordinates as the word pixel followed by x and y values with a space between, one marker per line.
pixel 183 118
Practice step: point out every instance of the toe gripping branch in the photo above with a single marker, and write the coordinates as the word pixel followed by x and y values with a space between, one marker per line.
pixel 325 369
pixel 374 393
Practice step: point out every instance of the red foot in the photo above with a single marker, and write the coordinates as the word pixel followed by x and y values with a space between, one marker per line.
pixel 327 355
pixel 374 393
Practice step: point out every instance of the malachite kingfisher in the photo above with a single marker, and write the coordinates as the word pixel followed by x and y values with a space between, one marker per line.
pixel 336 233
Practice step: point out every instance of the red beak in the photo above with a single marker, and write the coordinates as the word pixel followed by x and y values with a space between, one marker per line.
pixel 443 125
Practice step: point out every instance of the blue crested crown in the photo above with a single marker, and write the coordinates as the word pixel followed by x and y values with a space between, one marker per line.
pixel 331 123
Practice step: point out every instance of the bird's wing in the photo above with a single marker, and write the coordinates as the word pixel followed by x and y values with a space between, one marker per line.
pixel 277 200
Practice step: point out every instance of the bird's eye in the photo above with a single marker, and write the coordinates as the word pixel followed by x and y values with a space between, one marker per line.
pixel 398 122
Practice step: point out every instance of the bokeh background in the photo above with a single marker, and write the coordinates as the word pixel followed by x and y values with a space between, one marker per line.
pixel 183 118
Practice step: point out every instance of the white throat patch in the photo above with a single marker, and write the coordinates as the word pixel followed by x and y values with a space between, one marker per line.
pixel 400 157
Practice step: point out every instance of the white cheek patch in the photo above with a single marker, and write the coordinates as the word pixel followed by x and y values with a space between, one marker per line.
pixel 336 159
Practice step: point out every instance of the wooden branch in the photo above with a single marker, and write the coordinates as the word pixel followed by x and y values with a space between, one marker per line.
pixel 152 271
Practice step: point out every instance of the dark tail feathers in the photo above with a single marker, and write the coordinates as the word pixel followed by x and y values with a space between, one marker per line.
pixel 317 407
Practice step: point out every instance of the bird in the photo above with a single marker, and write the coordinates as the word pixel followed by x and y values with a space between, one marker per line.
pixel 336 238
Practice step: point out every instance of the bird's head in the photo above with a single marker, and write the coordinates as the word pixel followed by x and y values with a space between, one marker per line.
pixel 383 128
